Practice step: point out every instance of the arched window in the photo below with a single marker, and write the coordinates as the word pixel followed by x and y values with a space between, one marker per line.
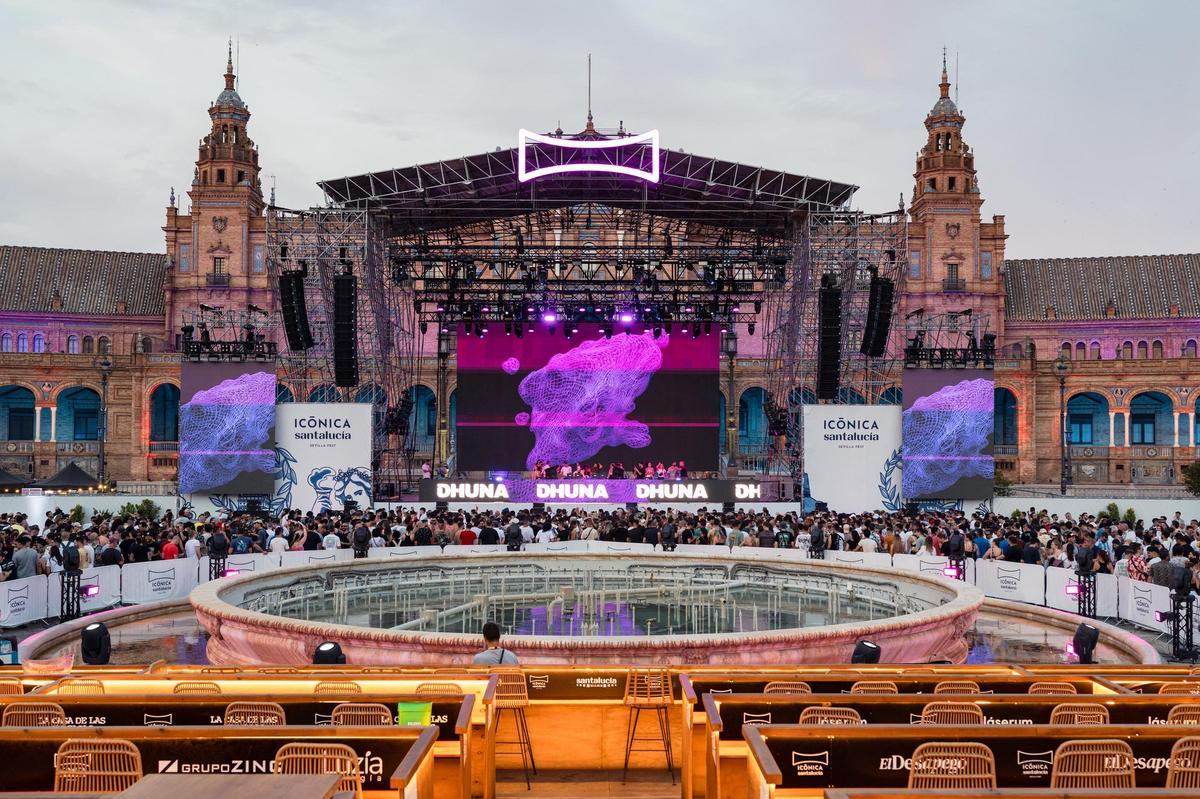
pixel 1080 351
pixel 73 345
pixel 1127 350
pixel 147 344
pixel 1005 419
pixel 88 345
pixel 22 342
pixel 1066 350
pixel 1143 351
pixel 78 415
pixel 16 413
pixel 1189 348
pixel 325 393
pixel 1156 350
pixel 1095 350
pixel 164 413
pixel 39 342
pixel 104 346
pixel 6 343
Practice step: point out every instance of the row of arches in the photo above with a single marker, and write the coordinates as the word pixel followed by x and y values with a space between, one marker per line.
pixel 1149 420
pixel 75 415
pixel 1128 350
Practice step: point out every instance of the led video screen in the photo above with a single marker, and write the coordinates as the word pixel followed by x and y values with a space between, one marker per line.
pixel 227 429
pixel 627 399
pixel 947 434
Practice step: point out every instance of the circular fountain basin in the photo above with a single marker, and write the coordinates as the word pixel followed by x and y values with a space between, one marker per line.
pixel 654 608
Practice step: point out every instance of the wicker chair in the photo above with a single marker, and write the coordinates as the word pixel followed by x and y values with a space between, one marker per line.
pixel 297 758
pixel 80 686
pixel 337 688
pixel 362 714
pixel 254 714
pixel 951 713
pixel 512 696
pixel 96 765
pixel 1051 688
pixel 649 690
pixel 1101 763
pixel 956 687
pixel 830 715
pixel 874 687
pixel 959 766
pixel 196 688
pixel 11 686
pixel 439 689
pixel 1184 714
pixel 1187 687
pixel 787 687
pixel 34 714
pixel 1079 713
pixel 1184 768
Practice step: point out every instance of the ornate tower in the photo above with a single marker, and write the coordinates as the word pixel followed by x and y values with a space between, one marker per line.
pixel 217 248
pixel 955 260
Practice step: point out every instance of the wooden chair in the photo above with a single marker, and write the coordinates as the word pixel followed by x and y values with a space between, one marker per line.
pixel 512 695
pixel 830 715
pixel 306 758
pixel 96 765
pixel 652 690
pixel 874 687
pixel 33 714
pixel 1180 687
pixel 1081 713
pixel 254 714
pixel 439 689
pixel 956 687
pixel 1051 687
pixel 11 686
pixel 958 766
pixel 787 687
pixel 80 686
pixel 1102 763
pixel 362 714
pixel 951 713
pixel 337 688
pixel 1184 768
pixel 1184 714
pixel 196 688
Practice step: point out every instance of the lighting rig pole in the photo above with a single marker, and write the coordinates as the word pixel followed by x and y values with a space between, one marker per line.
pixel 441 444
pixel 1061 367
pixel 729 348
pixel 104 365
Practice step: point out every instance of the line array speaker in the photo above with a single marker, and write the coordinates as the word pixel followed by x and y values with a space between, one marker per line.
pixel 829 343
pixel 879 316
pixel 295 311
pixel 345 331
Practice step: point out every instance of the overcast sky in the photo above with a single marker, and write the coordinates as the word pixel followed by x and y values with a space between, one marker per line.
pixel 1084 116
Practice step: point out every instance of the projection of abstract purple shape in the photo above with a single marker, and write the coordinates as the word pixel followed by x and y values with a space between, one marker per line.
pixel 521 418
pixel 580 399
pixel 511 365
pixel 945 435
pixel 225 431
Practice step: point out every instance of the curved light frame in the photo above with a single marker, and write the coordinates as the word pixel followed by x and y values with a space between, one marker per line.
pixel 525 137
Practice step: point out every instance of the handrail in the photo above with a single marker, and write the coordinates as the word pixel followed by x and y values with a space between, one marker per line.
pixel 762 755
pixel 462 724
pixel 413 759
pixel 712 714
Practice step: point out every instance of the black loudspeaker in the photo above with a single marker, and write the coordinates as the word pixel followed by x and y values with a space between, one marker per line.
pixel 829 342
pixel 345 331
pixel 879 317
pixel 295 311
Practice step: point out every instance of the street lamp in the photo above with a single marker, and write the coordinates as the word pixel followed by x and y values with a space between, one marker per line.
pixel 104 365
pixel 1061 367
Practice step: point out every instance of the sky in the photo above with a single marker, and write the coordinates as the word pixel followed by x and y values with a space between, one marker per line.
pixel 1084 116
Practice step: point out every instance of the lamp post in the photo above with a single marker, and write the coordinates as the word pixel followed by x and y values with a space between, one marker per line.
pixel 729 350
pixel 103 364
pixel 1061 367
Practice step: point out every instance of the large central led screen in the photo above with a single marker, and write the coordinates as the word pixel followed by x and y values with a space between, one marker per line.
pixel 949 417
pixel 227 429
pixel 626 399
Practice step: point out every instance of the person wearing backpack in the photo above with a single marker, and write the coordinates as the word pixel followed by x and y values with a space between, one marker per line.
pixel 361 540
pixel 512 537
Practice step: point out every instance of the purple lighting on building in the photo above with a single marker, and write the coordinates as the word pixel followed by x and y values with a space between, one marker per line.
pixel 525 138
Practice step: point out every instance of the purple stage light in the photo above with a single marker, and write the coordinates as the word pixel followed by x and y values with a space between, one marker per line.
pixel 1072 590
pixel 550 317
pixel 90 590
pixel 951 572
pixel 231 572
pixel 627 318
pixel 525 137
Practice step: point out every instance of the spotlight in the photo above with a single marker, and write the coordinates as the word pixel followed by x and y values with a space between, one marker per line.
pixel 750 328
pixel 1165 615
pixel 329 654
pixel 90 591
pixel 549 317
pixel 95 645
pixel 950 571
pixel 1083 645
pixel 1073 589
pixel 865 652
pixel 626 318
pixel 231 572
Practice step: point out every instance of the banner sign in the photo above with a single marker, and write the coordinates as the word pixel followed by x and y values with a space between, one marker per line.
pixel 849 461
pixel 99 588
pixel 1107 591
pixel 325 557
pixel 157 580
pixel 23 601
pixel 1141 600
pixel 1018 582
pixel 578 492
pixel 241 564
pixel 323 455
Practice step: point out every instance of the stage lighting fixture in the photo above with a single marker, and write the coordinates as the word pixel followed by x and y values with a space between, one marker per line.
pixel 657 332
pixel 95 645
pixel 231 572
pixel 626 318
pixel 1073 589
pixel 667 327
pixel 424 328
pixel 549 317
pixel 1084 643
pixel 1164 615
pixel 750 328
pixel 519 330
pixel 696 330
pixel 606 330
pixel 90 591
pixel 329 654
pixel 865 652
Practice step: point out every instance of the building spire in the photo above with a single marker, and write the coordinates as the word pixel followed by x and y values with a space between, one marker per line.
pixel 229 77
pixel 945 84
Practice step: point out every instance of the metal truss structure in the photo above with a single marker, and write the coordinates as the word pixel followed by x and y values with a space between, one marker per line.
pixel 845 249
pixel 948 340
pixel 324 242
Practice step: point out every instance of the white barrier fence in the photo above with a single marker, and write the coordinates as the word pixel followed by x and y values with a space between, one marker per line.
pixel 36 598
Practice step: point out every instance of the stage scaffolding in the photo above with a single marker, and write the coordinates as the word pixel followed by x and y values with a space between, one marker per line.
pixel 845 247
pixel 321 243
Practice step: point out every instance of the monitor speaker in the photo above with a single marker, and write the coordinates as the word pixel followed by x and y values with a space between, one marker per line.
pixel 879 317
pixel 829 343
pixel 295 311
pixel 345 331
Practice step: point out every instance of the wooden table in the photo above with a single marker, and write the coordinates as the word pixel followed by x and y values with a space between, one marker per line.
pixel 216 786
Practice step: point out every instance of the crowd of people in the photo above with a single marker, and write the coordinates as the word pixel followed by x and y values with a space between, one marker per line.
pixel 676 470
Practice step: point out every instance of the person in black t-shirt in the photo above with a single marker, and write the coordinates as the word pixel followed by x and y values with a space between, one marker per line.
pixel 489 535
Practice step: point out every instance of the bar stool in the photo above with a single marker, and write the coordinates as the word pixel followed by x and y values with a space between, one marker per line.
pixel 649 689
pixel 512 694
